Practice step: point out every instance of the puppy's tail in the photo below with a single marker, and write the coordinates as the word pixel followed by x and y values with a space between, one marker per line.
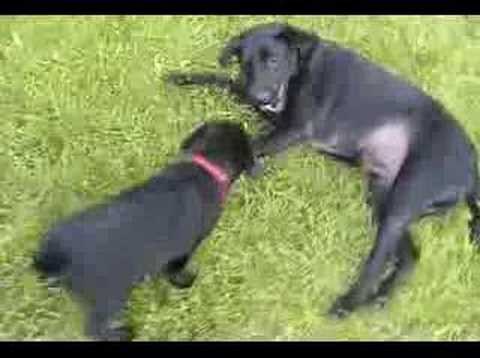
pixel 51 261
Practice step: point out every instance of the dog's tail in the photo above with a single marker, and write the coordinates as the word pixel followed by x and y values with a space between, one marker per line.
pixel 51 260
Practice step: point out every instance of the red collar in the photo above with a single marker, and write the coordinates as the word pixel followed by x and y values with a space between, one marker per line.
pixel 217 173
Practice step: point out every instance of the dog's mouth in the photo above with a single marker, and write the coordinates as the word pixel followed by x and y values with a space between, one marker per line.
pixel 278 104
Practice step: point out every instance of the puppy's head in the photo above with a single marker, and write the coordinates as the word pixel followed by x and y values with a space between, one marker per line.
pixel 270 55
pixel 222 141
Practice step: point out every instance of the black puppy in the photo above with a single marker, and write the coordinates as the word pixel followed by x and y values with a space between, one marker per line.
pixel 417 158
pixel 154 228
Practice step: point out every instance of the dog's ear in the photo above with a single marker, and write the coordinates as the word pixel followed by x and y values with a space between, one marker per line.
pixel 234 46
pixel 232 49
pixel 297 39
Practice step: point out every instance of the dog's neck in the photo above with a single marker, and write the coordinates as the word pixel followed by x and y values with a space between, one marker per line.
pixel 314 56
pixel 221 175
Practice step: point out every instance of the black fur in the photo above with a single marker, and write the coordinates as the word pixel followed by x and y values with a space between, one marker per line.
pixel 102 252
pixel 418 159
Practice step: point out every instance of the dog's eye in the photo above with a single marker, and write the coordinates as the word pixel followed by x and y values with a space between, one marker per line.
pixel 273 61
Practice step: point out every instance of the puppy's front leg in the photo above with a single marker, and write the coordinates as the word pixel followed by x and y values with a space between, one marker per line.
pixel 105 320
pixel 178 275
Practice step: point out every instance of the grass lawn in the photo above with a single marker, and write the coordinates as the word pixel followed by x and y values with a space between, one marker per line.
pixel 84 114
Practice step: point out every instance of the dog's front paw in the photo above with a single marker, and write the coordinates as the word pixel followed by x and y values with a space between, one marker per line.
pixel 258 168
pixel 54 283
pixel 178 79
pixel 265 126
pixel 183 279
pixel 258 144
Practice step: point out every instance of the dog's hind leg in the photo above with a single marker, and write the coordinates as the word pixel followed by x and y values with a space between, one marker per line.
pixel 424 184
pixel 404 259
pixel 404 263
pixel 377 191
pixel 391 231
pixel 474 223
pixel 472 198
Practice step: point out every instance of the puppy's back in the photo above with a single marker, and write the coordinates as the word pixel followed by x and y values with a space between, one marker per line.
pixel 136 233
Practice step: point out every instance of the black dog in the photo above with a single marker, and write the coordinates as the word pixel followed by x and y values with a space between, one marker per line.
pixel 417 159
pixel 102 253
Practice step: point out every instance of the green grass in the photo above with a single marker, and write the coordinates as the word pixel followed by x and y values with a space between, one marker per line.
pixel 84 114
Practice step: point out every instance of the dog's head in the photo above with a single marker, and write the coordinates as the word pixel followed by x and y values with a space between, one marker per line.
pixel 222 141
pixel 270 55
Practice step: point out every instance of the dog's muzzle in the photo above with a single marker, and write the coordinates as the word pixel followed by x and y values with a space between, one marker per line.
pixel 278 103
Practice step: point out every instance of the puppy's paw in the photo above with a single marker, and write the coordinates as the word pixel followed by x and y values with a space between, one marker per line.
pixel 116 333
pixel 183 279
pixel 474 226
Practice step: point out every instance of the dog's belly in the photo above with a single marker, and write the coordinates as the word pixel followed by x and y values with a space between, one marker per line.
pixel 381 151
pixel 384 149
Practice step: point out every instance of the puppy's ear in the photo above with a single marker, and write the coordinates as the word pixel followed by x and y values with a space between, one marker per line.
pixel 194 142
pixel 232 49
pixel 198 126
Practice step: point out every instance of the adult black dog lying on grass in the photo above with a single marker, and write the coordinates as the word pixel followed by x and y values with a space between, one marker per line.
pixel 417 159
pixel 101 253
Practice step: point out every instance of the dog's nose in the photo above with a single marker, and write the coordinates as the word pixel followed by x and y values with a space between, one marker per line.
pixel 264 97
